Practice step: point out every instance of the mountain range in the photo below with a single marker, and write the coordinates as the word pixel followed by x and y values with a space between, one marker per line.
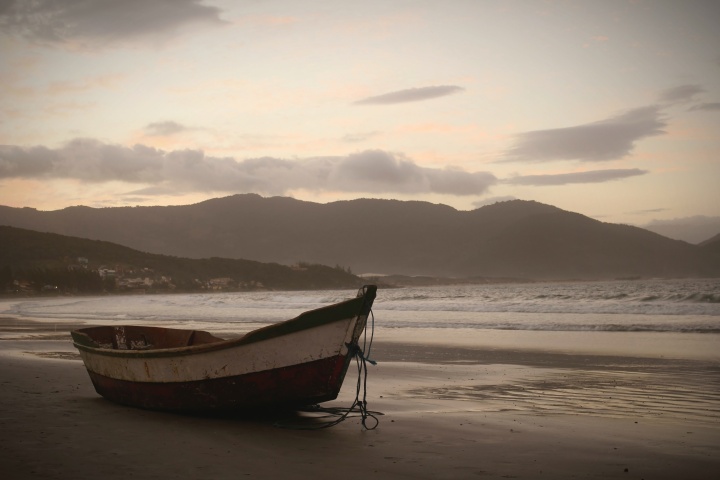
pixel 520 239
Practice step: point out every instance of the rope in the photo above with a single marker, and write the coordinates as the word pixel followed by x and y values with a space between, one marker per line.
pixel 359 406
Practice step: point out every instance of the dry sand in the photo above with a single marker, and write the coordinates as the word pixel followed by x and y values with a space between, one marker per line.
pixel 449 412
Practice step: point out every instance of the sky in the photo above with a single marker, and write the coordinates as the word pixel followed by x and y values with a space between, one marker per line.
pixel 606 108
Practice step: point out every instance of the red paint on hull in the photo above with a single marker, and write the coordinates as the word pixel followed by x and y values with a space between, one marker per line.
pixel 296 385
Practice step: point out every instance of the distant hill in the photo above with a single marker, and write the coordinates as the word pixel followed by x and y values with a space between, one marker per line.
pixel 694 230
pixel 49 259
pixel 519 239
pixel 713 242
pixel 712 246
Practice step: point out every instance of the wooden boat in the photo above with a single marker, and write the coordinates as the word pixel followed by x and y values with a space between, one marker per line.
pixel 298 362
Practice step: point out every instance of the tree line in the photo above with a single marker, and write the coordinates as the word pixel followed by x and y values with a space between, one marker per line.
pixel 49 279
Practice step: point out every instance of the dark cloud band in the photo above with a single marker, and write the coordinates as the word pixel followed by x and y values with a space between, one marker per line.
pixel 707 107
pixel 593 142
pixel 372 171
pixel 681 93
pixel 411 95
pixel 102 21
pixel 161 129
pixel 594 176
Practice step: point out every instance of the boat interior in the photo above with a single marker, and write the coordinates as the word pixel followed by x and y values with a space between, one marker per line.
pixel 145 338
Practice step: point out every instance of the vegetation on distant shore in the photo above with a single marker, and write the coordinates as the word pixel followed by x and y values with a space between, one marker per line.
pixel 34 262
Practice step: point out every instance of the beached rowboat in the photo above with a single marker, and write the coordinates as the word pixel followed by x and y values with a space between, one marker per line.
pixel 298 362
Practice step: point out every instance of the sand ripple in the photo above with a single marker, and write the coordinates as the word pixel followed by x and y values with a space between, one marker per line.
pixel 687 396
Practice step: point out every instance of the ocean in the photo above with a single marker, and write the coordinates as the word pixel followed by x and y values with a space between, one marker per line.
pixel 678 318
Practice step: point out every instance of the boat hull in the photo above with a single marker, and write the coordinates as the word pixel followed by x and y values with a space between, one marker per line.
pixel 285 387
pixel 298 362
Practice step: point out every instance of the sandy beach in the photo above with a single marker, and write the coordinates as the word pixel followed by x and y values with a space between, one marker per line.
pixel 449 411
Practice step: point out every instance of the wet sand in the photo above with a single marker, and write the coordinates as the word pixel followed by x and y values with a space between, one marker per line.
pixel 449 412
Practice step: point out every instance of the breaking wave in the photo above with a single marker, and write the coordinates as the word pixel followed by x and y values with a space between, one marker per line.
pixel 686 306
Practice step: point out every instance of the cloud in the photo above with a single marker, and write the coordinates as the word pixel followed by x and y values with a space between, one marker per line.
pixel 102 22
pixel 708 107
pixel 162 129
pixel 381 172
pixel 372 171
pixel 599 141
pixel 681 93
pixel 648 210
pixel 695 220
pixel 593 176
pixel 83 159
pixel 411 95
pixel 34 162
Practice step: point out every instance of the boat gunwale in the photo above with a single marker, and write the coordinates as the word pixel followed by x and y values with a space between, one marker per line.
pixel 342 311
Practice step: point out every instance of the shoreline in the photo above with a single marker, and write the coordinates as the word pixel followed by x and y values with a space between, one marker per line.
pixel 448 412
pixel 679 346
pixel 406 281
